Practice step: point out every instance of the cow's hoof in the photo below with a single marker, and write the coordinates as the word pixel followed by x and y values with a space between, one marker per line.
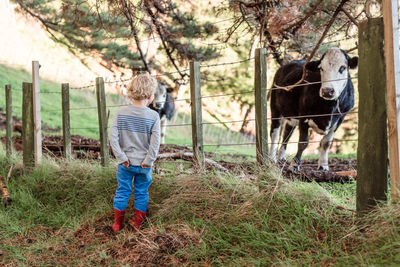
pixel 323 168
pixel 282 158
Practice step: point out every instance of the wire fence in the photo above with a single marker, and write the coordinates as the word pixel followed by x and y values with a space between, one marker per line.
pixel 220 137
pixel 204 97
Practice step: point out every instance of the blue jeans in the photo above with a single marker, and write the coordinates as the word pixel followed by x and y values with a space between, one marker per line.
pixel 142 180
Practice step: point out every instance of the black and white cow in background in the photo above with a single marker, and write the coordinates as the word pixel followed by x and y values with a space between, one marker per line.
pixel 164 105
pixel 334 96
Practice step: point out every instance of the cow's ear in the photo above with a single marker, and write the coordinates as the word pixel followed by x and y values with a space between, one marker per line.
pixel 313 65
pixel 353 62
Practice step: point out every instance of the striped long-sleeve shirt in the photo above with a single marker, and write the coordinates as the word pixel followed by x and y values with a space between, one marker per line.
pixel 135 135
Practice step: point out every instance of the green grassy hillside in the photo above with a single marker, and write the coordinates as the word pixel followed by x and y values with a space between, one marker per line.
pixel 51 102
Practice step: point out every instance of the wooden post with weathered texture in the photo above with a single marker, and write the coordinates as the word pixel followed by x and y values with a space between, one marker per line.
pixel 372 149
pixel 9 121
pixel 28 130
pixel 66 121
pixel 102 115
pixel 36 112
pixel 391 33
pixel 197 122
pixel 260 87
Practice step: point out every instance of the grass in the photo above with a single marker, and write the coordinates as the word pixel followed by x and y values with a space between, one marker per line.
pixel 60 215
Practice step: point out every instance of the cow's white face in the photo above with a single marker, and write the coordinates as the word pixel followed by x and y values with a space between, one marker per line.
pixel 334 73
pixel 160 96
pixel 334 68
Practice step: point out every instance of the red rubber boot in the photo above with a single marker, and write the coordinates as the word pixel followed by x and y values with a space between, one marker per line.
pixel 140 215
pixel 118 220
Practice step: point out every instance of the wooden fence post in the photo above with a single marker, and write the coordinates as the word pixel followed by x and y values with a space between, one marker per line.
pixel 36 112
pixel 372 134
pixel 102 115
pixel 66 121
pixel 197 126
pixel 391 33
pixel 28 130
pixel 9 121
pixel 260 86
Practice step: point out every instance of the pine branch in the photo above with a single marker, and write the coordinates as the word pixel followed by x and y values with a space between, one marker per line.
pixel 159 31
pixel 126 10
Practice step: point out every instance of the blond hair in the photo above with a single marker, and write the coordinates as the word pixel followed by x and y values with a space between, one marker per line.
pixel 142 87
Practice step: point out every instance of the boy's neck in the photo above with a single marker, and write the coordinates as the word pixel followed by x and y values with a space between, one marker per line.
pixel 140 103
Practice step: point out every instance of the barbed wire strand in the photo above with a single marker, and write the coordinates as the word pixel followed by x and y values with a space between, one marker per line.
pixel 294 142
pixel 80 108
pixel 50 92
pixel 170 101
pixel 226 63
pixel 232 94
pixel 82 87
pixel 289 117
pixel 177 125
pixel 327 42
pixel 85 128
pixel 180 71
pixel 307 83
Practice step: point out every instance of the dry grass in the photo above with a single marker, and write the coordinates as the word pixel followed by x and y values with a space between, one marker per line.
pixel 197 219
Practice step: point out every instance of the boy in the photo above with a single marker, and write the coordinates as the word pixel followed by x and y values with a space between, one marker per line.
pixel 135 140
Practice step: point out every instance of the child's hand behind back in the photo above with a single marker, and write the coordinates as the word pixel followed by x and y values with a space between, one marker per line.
pixel 126 163
pixel 144 165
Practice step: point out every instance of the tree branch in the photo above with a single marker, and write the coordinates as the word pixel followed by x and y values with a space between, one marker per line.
pixel 127 13
pixel 158 27
pixel 296 26
pixel 328 26
pixel 350 16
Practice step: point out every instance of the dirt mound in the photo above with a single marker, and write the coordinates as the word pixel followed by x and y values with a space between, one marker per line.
pixel 148 247
pixel 340 170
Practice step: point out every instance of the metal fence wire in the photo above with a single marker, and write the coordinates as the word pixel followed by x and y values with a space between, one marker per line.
pixel 221 139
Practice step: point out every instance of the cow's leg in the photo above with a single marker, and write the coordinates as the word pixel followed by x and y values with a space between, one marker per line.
pixel 325 144
pixel 275 129
pixel 163 127
pixel 303 143
pixel 288 129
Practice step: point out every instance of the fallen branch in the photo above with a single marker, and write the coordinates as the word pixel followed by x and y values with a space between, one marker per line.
pixel 57 147
pixel 317 176
pixel 4 192
pixel 10 172
pixel 190 157
pixel 351 173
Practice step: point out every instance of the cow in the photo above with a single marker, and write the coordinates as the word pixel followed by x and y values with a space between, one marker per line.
pixel 320 102
pixel 164 105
